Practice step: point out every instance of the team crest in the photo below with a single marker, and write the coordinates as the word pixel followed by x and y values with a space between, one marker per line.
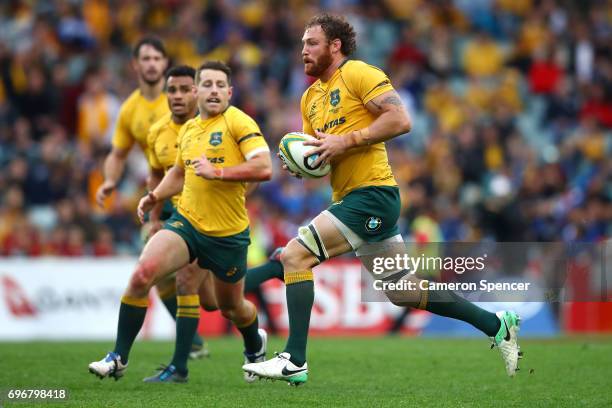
pixel 373 224
pixel 215 138
pixel 334 97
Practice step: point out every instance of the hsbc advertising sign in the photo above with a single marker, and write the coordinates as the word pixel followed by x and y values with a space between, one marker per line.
pixel 78 299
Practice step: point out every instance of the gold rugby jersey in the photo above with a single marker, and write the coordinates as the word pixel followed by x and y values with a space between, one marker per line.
pixel 136 116
pixel 216 207
pixel 162 144
pixel 338 107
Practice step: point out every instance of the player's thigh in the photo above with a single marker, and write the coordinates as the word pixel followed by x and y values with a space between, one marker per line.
pixel 318 241
pixel 188 279
pixel 229 295
pixel 334 241
pixel 166 286
pixel 206 290
pixel 165 253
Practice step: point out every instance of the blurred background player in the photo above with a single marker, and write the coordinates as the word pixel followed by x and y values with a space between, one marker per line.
pixel 218 153
pixel 162 147
pixel 353 109
pixel 145 106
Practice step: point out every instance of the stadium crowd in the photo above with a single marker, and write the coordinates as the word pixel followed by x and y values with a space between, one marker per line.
pixel 511 103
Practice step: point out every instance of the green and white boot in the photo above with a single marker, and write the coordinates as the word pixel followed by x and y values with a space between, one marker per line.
pixel 279 368
pixel 506 340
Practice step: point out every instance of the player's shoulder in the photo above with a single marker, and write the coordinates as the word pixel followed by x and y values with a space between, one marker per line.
pixel 162 123
pixel 233 113
pixel 310 91
pixel 132 101
pixel 190 125
pixel 157 127
pixel 358 67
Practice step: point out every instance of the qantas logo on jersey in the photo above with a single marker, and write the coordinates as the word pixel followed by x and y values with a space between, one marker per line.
pixel 215 160
pixel 333 123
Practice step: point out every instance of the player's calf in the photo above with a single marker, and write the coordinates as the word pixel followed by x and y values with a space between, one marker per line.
pixel 295 258
pixel 400 295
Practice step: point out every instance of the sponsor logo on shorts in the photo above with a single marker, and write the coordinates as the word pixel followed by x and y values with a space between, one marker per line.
pixel 176 224
pixel 373 223
pixel 232 271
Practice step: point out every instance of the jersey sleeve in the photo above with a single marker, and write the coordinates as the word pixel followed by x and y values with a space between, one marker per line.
pixel 122 138
pixel 306 125
pixel 248 136
pixel 368 82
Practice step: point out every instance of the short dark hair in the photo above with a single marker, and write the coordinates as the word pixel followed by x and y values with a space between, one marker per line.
pixel 216 66
pixel 336 27
pixel 153 42
pixel 181 71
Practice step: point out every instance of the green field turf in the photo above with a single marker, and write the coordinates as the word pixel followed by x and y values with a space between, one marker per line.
pixel 369 372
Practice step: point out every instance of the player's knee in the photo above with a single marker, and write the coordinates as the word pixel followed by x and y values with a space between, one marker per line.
pixel 228 311
pixel 142 278
pixel 295 259
pixel 416 298
pixel 186 284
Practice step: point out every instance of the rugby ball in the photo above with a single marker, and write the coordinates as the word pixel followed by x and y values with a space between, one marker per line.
pixel 291 151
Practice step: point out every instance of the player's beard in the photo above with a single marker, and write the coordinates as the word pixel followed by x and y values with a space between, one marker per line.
pixel 321 65
pixel 151 82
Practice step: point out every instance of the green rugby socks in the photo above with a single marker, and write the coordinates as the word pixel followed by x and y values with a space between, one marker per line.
pixel 256 276
pixel 250 335
pixel 132 313
pixel 300 298
pixel 447 303
pixel 187 319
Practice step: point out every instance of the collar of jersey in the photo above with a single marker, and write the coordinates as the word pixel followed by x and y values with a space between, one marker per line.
pixel 325 85
pixel 149 101
pixel 174 126
pixel 203 123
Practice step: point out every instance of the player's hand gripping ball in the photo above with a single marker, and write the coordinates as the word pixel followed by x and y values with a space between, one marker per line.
pixel 291 151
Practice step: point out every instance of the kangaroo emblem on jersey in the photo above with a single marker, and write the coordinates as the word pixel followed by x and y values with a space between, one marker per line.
pixel 215 138
pixel 334 97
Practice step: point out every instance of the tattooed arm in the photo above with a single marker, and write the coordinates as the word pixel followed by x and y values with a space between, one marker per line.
pixel 392 120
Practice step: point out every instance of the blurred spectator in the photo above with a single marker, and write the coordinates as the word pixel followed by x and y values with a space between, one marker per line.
pixel 482 56
pixel 97 111
pixel 544 74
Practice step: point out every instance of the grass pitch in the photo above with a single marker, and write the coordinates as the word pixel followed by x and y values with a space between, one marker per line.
pixel 399 371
